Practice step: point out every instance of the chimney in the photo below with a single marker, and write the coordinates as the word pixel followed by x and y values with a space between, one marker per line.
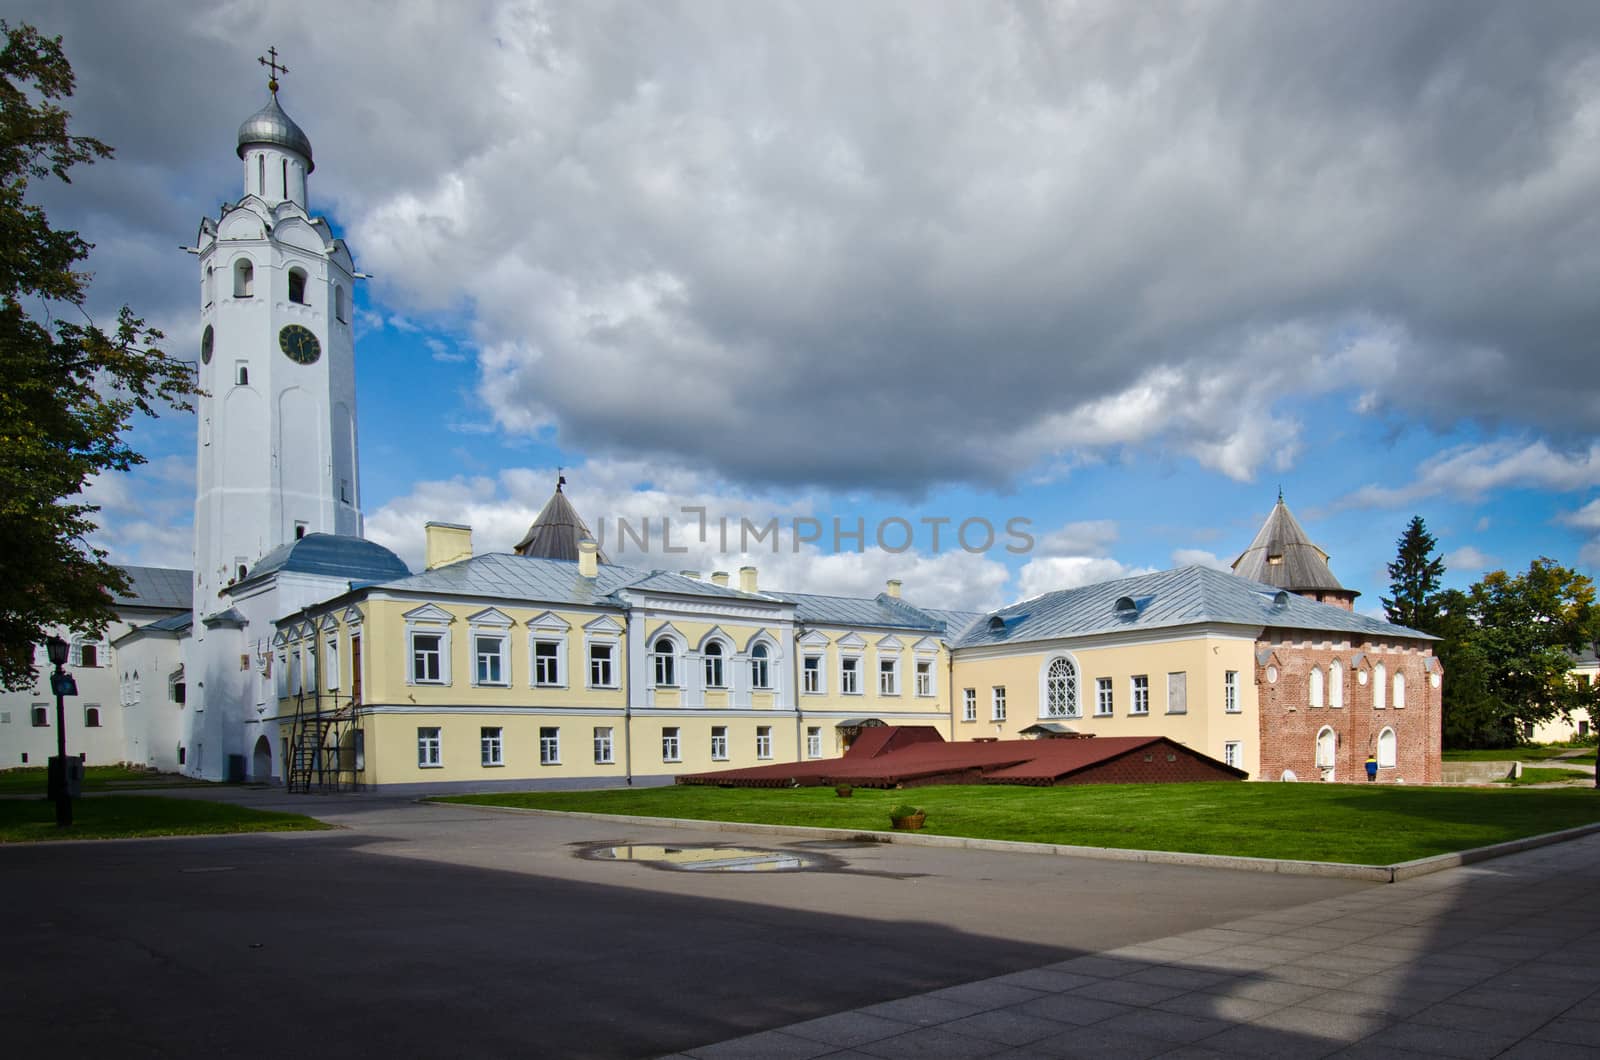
pixel 447 543
pixel 894 588
pixel 747 579
pixel 588 558
pixel 690 574
pixel 719 577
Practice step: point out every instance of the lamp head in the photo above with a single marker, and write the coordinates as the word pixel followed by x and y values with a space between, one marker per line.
pixel 57 649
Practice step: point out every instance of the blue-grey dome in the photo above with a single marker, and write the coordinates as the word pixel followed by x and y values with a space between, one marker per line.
pixel 270 125
pixel 352 558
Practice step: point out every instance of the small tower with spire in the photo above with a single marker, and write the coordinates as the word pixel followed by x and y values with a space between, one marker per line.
pixel 1283 556
pixel 557 531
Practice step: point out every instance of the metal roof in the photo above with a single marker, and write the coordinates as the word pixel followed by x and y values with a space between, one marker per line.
pixel 509 577
pixel 167 587
pixel 270 125
pixel 1283 555
pixel 556 531
pixel 1181 597
pixel 816 610
pixel 331 555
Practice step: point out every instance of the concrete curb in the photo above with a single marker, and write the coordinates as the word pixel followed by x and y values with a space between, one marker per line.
pixel 1404 870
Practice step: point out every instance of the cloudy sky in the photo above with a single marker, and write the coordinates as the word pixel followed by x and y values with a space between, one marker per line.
pixel 1119 271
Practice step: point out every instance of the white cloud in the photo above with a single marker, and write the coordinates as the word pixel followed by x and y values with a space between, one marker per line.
pixel 1050 573
pixel 1471 471
pixel 1196 557
pixel 1468 560
pixel 1585 518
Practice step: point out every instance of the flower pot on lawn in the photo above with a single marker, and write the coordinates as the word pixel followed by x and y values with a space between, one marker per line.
pixel 844 791
pixel 907 818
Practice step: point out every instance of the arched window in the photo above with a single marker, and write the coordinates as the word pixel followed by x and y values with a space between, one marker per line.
pixel 91 717
pixel 1314 696
pixel 244 279
pixel 1061 689
pixel 1399 690
pixel 211 284
pixel 261 175
pixel 285 178
pixel 1327 748
pixel 297 286
pixel 666 663
pixel 760 675
pixel 713 657
pixel 1380 686
pixel 1387 749
pixel 1335 684
pixel 341 304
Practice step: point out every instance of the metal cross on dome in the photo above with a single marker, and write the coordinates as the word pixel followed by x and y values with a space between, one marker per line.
pixel 273 66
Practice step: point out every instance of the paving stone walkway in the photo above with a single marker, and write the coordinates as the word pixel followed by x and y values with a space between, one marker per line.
pixel 1500 959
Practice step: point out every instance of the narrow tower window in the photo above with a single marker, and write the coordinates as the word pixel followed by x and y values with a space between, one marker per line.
pixel 285 178
pixel 297 286
pixel 241 374
pixel 341 304
pixel 244 279
pixel 261 175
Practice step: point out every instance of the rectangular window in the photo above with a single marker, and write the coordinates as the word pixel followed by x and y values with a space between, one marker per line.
pixel 547 663
pixel 490 652
pixel 888 677
pixel 1141 695
pixel 1178 693
pixel 88 656
pixel 491 744
pixel 355 667
pixel 1233 753
pixel 924 677
pixel 666 664
pixel 429 752
pixel 600 672
pixel 813 741
pixel 91 715
pixel 1104 704
pixel 719 743
pixel 811 674
pixel 549 745
pixel 969 704
pixel 426 658
pixel 331 670
pixel 763 741
pixel 998 710
pixel 849 676
pixel 669 744
pixel 602 746
pixel 41 716
pixel 1230 691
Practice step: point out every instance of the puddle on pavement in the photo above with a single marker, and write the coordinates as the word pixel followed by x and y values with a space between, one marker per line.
pixel 692 858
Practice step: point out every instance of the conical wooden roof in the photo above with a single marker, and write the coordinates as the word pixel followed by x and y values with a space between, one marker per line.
pixel 1283 555
pixel 556 531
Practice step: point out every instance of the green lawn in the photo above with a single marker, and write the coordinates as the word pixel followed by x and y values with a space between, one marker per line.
pixel 29 780
pixel 1536 775
pixel 1376 825
pixel 1519 754
pixel 133 816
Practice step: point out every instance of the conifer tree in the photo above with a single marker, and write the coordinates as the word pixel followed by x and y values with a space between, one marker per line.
pixel 1414 579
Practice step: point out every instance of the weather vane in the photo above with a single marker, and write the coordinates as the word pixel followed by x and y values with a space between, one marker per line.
pixel 274 66
pixel 561 479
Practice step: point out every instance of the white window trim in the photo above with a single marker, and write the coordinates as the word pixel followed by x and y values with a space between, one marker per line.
pixel 1110 686
pixel 1335 685
pixel 1230 693
pixel 1397 699
pixel 491 622
pixel 813 741
pixel 677 743
pixel 725 654
pixel 429 620
pixel 932 663
pixel 1133 696
pixel 1074 702
pixel 330 676
pixel 1394 748
pixel 1233 749
pixel 560 645
pixel 969 705
pixel 556 759
pixel 1380 686
pixel 719 734
pixel 610 745
pixel 499 746
pixel 678 660
pixel 589 644
pixel 1315 691
pixel 438 746
pixel 856 656
pixel 763 735
pixel 821 655
pixel 771 661
pixel 1185 708
pixel 603 631
pixel 892 673
pixel 997 703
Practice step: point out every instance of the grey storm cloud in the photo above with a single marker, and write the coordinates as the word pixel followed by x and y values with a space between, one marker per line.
pixel 899 244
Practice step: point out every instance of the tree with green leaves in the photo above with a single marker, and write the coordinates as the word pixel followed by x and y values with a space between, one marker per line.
pixel 68 389
pixel 1507 651
pixel 1414 577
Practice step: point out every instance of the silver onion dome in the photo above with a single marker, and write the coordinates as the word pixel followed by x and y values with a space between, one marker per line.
pixel 270 125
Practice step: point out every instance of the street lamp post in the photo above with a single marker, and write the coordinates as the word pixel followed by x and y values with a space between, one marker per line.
pixel 62 684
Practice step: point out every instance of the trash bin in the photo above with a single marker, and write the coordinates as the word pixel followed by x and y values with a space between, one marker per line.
pixel 236 769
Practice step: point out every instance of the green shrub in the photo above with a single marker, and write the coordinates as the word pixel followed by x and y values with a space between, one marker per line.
pixel 904 809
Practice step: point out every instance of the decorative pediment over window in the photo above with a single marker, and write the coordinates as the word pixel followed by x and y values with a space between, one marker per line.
pixel 761 636
pixel 927 645
pixel 280 638
pixel 352 616
pixel 429 613
pixel 493 616
pixel 814 639
pixel 1267 657
pixel 891 643
pixel 549 622
pixel 717 634
pixel 852 640
pixel 329 623
pixel 604 626
pixel 666 629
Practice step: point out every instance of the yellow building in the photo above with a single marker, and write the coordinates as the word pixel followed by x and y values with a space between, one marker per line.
pixel 550 667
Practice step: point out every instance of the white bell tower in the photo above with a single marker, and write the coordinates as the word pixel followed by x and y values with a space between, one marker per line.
pixel 277 427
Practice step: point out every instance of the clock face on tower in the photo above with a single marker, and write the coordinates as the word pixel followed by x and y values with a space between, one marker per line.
pixel 299 344
pixel 207 341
